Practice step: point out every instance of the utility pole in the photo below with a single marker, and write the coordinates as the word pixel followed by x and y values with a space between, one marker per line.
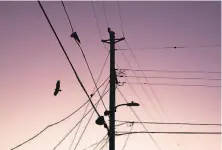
pixel 112 94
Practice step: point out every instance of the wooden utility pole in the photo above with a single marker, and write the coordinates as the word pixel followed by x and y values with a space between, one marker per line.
pixel 112 94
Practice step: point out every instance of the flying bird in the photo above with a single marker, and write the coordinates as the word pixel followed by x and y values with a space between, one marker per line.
pixel 76 37
pixel 57 89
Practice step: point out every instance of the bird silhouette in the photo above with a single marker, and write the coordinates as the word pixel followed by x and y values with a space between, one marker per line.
pixel 76 37
pixel 57 89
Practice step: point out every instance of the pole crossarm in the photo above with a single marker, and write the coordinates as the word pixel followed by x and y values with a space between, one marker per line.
pixel 105 41
pixel 115 41
pixel 120 39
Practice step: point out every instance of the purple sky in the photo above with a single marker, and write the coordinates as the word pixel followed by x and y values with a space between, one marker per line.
pixel 32 61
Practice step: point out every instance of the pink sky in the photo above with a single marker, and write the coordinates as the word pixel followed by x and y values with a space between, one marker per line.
pixel 32 61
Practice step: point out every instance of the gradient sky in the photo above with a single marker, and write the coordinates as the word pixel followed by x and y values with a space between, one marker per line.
pixel 32 61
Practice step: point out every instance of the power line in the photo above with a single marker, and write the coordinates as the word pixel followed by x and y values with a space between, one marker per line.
pixel 84 130
pixel 99 86
pixel 95 16
pixel 171 123
pixel 86 109
pixel 104 9
pixel 142 89
pixel 78 127
pixel 154 93
pixel 97 24
pixel 91 74
pixel 67 57
pixel 173 71
pixel 67 15
pixel 158 101
pixel 127 137
pixel 72 129
pixel 96 143
pixel 183 85
pixel 148 97
pixel 181 78
pixel 104 64
pixel 71 65
pixel 80 82
pixel 120 124
pixel 205 133
pixel 87 123
pixel 104 144
pixel 96 104
pixel 120 17
pixel 173 47
pixel 104 139
pixel 83 55
pixel 140 121
pixel 53 124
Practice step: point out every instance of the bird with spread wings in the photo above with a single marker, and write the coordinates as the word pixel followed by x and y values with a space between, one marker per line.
pixel 57 89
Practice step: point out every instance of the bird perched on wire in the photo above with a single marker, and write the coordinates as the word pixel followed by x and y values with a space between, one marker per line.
pixel 57 89
pixel 76 37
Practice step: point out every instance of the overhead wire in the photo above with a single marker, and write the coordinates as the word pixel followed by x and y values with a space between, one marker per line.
pixel 155 142
pixel 78 128
pixel 170 123
pixel 107 49
pixel 86 109
pixel 77 76
pixel 53 124
pixel 95 16
pixel 95 83
pixel 91 74
pixel 71 130
pixel 104 144
pixel 180 78
pixel 68 59
pixel 87 123
pixel 97 24
pixel 63 4
pixel 131 67
pixel 85 58
pixel 182 85
pixel 104 9
pixel 204 133
pixel 154 93
pixel 95 143
pixel 140 121
pixel 174 71
pixel 173 47
pixel 143 105
pixel 120 17
pixel 84 130
pixel 96 104
pixel 95 90
pixel 120 124
pixel 127 137
pixel 100 142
